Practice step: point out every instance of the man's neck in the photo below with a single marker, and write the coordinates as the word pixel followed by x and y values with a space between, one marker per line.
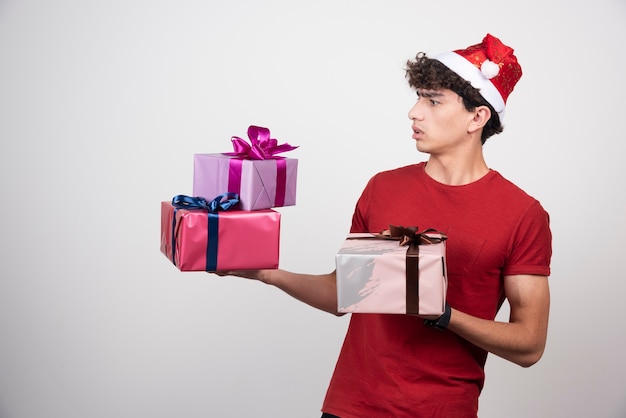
pixel 457 171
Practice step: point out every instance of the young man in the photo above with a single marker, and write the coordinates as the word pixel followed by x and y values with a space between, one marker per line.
pixel 498 247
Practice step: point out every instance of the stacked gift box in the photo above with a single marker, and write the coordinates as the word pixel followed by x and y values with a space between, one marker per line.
pixel 229 223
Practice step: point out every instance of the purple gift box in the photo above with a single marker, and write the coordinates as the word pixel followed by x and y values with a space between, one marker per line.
pixel 260 178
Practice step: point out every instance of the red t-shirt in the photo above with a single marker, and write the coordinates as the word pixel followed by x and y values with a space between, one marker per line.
pixel 395 366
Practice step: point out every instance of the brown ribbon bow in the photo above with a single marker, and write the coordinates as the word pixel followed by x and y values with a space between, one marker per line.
pixel 409 235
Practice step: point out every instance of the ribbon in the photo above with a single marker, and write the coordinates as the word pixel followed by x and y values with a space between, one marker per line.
pixel 261 147
pixel 408 236
pixel 186 202
pixel 222 202
pixel 235 170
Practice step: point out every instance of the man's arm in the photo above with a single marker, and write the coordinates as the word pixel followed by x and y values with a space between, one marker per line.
pixel 521 340
pixel 318 291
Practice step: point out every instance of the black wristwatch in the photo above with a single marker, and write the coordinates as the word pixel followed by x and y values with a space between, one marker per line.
pixel 442 322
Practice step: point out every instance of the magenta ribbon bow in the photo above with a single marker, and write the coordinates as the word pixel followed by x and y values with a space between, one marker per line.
pixel 261 146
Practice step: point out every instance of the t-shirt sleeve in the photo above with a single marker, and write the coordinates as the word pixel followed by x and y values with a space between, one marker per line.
pixel 531 245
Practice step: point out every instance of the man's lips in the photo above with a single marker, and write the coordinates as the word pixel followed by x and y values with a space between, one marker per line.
pixel 417 131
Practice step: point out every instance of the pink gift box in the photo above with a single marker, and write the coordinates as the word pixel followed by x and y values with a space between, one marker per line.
pixel 227 240
pixel 372 278
pixel 261 184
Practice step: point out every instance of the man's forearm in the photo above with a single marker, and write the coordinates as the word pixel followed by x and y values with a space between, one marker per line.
pixel 318 291
pixel 512 341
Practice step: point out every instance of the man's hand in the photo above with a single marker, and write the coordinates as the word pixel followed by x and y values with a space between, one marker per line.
pixel 260 275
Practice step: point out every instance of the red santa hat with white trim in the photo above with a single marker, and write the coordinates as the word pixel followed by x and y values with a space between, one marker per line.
pixel 490 67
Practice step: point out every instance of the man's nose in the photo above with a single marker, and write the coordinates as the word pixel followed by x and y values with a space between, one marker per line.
pixel 415 112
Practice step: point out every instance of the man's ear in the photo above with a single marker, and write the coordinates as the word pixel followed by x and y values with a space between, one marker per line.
pixel 482 114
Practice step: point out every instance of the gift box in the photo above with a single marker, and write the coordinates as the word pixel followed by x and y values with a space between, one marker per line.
pixel 381 273
pixel 197 239
pixel 262 179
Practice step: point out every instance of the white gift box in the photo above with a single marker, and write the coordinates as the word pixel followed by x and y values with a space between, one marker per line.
pixel 372 276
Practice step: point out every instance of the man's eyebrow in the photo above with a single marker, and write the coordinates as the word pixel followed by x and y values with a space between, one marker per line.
pixel 429 93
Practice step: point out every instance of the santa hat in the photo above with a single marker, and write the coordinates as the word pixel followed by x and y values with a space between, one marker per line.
pixel 489 66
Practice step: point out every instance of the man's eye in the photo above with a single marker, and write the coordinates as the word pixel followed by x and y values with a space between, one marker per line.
pixel 434 102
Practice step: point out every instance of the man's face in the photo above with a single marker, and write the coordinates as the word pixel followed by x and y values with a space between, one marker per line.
pixel 440 121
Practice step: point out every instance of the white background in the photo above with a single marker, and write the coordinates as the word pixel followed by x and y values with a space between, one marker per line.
pixel 104 103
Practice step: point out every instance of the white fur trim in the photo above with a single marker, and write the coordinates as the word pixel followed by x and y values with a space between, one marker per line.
pixel 477 79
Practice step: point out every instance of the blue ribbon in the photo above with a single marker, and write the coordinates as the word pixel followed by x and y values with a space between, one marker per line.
pixel 222 202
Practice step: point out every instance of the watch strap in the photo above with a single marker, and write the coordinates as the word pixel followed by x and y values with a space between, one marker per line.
pixel 443 321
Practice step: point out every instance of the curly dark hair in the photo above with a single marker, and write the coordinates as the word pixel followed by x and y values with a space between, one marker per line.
pixel 431 74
